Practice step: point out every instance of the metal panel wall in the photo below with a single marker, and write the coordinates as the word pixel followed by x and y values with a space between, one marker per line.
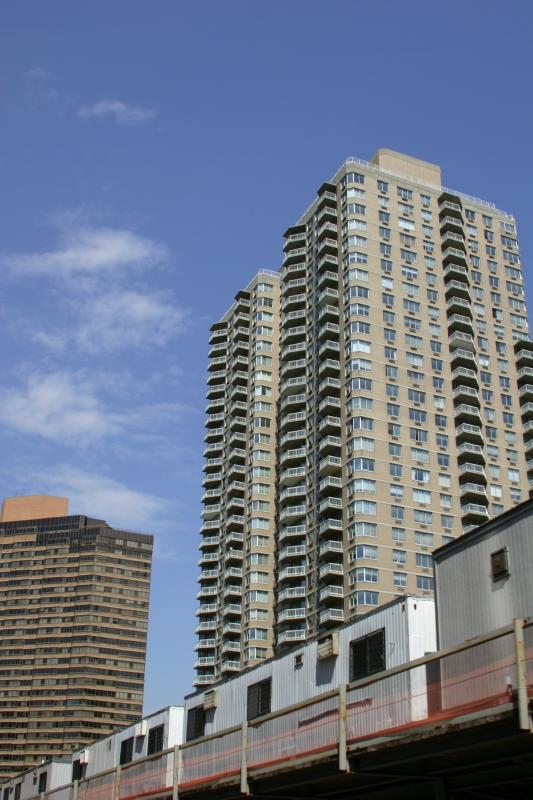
pixel 409 633
pixel 470 602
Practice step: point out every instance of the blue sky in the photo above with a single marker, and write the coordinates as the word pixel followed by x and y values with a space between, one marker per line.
pixel 151 156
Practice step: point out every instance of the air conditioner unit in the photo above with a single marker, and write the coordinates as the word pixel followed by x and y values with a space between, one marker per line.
pixel 141 728
pixel 84 756
pixel 210 699
pixel 328 646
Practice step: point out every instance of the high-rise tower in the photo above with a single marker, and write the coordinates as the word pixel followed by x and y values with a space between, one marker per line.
pixel 404 388
pixel 73 621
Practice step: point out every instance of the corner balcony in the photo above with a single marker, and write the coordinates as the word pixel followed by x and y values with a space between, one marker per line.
pixel 291 636
pixel 467 413
pixel 449 222
pixel 475 490
pixel 330 277
pixel 291 475
pixel 526 392
pixel 331 592
pixel 450 207
pixel 291 573
pixel 328 483
pixel 331 546
pixel 465 375
pixel 230 666
pixel 329 313
pixel 468 432
pixel 474 513
pixel 452 240
pixel 460 322
pixel 452 253
pixel 291 349
pixel 328 329
pixel 329 366
pixel 294 418
pixel 329 403
pixel 470 468
pixel 232 610
pixel 292 513
pixel 293 256
pixel 331 465
pixel 292 532
pixel 294 551
pixel 290 593
pixel 290 333
pixel 332 568
pixel 293 436
pixel 467 449
pixel 331 616
pixel 289 456
pixel 467 393
pixel 465 341
pixel 292 613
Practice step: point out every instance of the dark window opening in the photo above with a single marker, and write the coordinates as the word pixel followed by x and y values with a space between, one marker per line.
pixel 126 751
pixel 258 699
pixel 78 770
pixel 18 788
pixel 367 655
pixel 155 739
pixel 499 564
pixel 195 723
pixel 42 782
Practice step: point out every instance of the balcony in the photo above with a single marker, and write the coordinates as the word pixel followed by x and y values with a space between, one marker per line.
pixel 526 392
pixel 463 357
pixel 524 372
pixel 291 383
pixel 210 541
pixel 292 613
pixel 454 209
pixel 453 253
pixel 234 590
pixel 331 546
pixel 465 374
pixel 329 403
pixel 331 465
pixel 452 223
pixel 292 513
pixel 471 450
pixel 331 482
pixel 328 329
pixel 469 468
pixel 232 609
pixel 294 551
pixel 467 431
pixel 329 384
pixel 292 532
pixel 474 511
pixel 332 568
pixel 294 418
pixel 453 270
pixel 290 349
pixel 291 592
pixel 330 277
pixel 292 436
pixel 293 256
pixel 330 504
pixel 293 332
pixel 329 346
pixel 292 455
pixel 331 615
pixel 331 592
pixel 476 489
pixel 328 295
pixel 230 666
pixel 292 400
pixel 231 628
pixel 329 366
pixel 205 644
pixel 461 340
pixel 291 572
pixel 231 647
pixel 466 393
pixel 288 476
pixel 460 322
pixel 206 608
pixel 459 303
pixel 288 637
pixel 294 240
pixel 329 444
pixel 294 301
pixel 452 240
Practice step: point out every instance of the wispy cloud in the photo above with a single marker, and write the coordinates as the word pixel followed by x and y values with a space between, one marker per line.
pixel 67 407
pixel 98 495
pixel 119 319
pixel 120 112
pixel 87 250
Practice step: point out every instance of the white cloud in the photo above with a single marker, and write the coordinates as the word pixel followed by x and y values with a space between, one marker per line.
pixel 102 497
pixel 57 406
pixel 122 319
pixel 88 251
pixel 122 113
pixel 65 407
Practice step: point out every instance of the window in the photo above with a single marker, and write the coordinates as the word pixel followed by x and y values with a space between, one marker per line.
pixel 395 470
pixel 424 517
pixel 126 750
pixel 446 520
pixel 366 575
pixel 424 560
pixel 367 655
pixel 258 699
pixel 399 557
pixel 420 475
pixel 398 534
pixel 42 782
pixel 424 582
pixel 397 513
pixel 383 186
pixel 424 538
pixel 363 529
pixel 399 579
pixel 18 788
pixel 366 551
pixel 155 739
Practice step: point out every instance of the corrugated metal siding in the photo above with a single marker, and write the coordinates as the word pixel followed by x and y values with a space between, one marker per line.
pixel 409 632
pixel 470 603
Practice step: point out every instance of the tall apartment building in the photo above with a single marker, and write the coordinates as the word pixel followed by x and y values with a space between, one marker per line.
pixel 73 622
pixel 405 412
pixel 236 611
